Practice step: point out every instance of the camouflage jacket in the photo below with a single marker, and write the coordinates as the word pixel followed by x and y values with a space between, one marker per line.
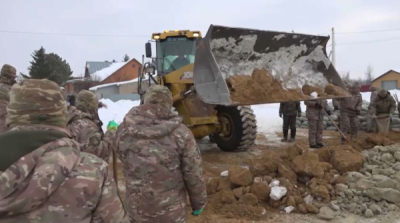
pixel 290 108
pixel 4 99
pixel 385 105
pixel 161 163
pixel 374 95
pixel 351 104
pixel 89 134
pixel 312 112
pixel 52 181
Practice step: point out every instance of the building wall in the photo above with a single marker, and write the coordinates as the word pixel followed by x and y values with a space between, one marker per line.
pixel 104 91
pixel 131 88
pixel 392 76
pixel 128 72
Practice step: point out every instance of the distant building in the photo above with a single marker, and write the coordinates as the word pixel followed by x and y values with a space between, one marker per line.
pixel 116 72
pixel 92 66
pixel 75 85
pixel 388 81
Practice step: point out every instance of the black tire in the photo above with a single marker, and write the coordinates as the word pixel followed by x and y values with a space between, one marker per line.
pixel 242 130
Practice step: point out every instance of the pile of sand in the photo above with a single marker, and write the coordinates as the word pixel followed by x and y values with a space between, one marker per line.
pixel 262 87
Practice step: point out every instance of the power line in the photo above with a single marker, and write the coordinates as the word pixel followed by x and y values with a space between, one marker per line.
pixel 370 31
pixel 74 34
pixel 370 41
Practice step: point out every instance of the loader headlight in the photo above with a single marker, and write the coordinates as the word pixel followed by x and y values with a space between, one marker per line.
pixel 156 37
pixel 195 35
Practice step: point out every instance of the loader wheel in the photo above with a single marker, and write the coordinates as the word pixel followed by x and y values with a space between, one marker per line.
pixel 239 128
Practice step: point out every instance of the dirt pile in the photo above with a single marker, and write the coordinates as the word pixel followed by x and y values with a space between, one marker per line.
pixel 294 179
pixel 308 89
pixel 335 90
pixel 375 189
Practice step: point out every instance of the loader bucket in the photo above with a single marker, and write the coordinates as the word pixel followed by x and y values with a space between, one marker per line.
pixel 236 66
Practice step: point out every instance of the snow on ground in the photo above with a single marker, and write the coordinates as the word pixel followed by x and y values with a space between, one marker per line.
pixel 268 120
pixel 115 111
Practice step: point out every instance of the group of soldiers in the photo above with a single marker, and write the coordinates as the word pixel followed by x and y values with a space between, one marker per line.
pixel 382 105
pixel 55 167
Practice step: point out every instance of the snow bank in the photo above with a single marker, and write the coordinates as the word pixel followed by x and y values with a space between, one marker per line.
pixel 116 83
pixel 115 111
pixel 104 73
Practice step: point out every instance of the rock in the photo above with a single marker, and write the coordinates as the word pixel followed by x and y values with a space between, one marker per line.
pixel 309 199
pixel 261 190
pixel 246 190
pixel 298 199
pixel 388 183
pixel 267 179
pixel 227 197
pixel 363 207
pixel 349 193
pixel 397 155
pixel 387 194
pixel 369 213
pixel 302 208
pixel 364 184
pixel 277 193
pixel 388 172
pixel 312 209
pixel 387 157
pixel 266 165
pixel 212 186
pixel 341 187
pixel 396 166
pixel 346 160
pixel 335 206
pixel 224 184
pixel 258 179
pixel 322 192
pixel 308 165
pixel 289 209
pixel 240 177
pixel 392 207
pixel 287 172
pixel 286 183
pixel 375 209
pixel 224 173
pixel 274 183
pixel 353 177
pixel 249 199
pixel 326 213
pixel 291 201
pixel 238 192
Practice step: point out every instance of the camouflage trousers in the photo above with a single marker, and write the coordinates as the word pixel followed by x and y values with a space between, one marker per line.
pixel 315 129
pixel 370 121
pixel 3 114
pixel 349 123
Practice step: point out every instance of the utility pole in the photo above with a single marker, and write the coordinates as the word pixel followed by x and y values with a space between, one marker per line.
pixel 333 48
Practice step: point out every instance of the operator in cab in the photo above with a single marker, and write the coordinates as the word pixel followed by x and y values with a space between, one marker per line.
pixel 180 61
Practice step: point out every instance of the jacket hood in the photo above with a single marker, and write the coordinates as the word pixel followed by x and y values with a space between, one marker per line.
pixel 76 114
pixel 150 121
pixel 29 181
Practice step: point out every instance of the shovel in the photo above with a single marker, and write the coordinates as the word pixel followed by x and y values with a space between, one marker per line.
pixel 341 133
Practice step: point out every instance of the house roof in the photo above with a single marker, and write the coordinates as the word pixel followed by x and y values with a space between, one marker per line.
pixel 114 67
pixel 96 66
pixel 385 74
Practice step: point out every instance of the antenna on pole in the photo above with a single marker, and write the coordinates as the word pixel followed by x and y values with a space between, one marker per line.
pixel 333 48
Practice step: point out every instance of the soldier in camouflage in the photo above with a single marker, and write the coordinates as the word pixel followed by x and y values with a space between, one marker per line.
pixel 370 120
pixel 7 79
pixel 384 104
pixel 315 116
pixel 85 125
pixel 350 109
pixel 45 177
pixel 161 161
pixel 289 111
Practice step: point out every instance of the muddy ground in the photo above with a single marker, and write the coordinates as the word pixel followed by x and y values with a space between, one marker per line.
pixel 215 161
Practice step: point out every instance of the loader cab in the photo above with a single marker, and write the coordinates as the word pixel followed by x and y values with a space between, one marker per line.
pixel 174 49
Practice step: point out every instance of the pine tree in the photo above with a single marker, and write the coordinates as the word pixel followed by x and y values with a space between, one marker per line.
pixel 126 58
pixel 50 66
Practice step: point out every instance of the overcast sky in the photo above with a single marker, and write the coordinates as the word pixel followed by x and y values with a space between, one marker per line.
pixel 141 18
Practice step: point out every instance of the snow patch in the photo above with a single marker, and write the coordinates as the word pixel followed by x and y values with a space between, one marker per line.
pixel 224 173
pixel 314 95
pixel 277 193
pixel 101 75
pixel 115 111
pixel 278 37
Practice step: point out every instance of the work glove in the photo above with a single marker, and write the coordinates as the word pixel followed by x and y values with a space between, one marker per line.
pixel 329 112
pixel 280 115
pixel 336 108
pixel 318 105
pixel 358 112
pixel 197 212
pixel 112 126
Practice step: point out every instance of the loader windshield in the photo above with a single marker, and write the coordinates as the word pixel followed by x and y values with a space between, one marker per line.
pixel 174 53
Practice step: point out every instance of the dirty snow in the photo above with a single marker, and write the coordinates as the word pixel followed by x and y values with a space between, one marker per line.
pixel 287 64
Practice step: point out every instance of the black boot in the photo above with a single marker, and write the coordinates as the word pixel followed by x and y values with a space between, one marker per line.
pixel 285 134
pixel 315 146
pixel 292 135
pixel 320 145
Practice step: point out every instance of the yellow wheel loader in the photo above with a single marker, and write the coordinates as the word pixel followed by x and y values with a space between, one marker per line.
pixel 197 70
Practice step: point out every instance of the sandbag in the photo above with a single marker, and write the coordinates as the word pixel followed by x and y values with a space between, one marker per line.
pixel 382 125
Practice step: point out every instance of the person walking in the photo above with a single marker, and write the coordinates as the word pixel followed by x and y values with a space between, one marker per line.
pixel 289 112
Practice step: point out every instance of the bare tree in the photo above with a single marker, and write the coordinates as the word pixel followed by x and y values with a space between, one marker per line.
pixel 368 74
